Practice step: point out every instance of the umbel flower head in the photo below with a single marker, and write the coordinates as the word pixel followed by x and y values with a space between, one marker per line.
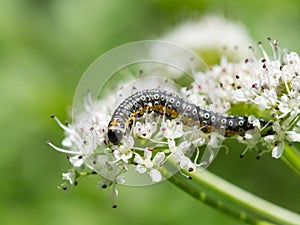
pixel 267 86
pixel 151 142
pixel 154 130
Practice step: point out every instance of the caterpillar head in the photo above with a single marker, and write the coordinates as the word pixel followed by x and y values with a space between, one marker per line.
pixel 114 136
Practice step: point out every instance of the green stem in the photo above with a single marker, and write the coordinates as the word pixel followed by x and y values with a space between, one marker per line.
pixel 233 200
pixel 292 158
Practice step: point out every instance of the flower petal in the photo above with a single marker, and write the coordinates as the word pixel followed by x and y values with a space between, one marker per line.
pixel 158 158
pixel 76 161
pixel 278 150
pixel 293 136
pixel 147 154
pixel 155 175
pixel 140 169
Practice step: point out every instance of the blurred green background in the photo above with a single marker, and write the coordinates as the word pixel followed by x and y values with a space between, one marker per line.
pixel 45 47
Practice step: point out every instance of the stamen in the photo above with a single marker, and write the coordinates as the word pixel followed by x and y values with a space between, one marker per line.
pixel 270 122
pixel 293 123
pixel 263 51
pixel 226 149
pixel 260 153
pixel 286 85
pixel 93 135
pixel 187 176
pixel 277 49
pixel 60 149
pixel 61 125
pixel 138 149
pixel 273 48
pixel 196 159
pixel 242 155
pixel 157 142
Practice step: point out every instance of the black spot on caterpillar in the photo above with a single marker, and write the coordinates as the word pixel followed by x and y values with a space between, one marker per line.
pixel 172 106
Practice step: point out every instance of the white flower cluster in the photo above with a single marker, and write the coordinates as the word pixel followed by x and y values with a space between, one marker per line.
pixel 154 140
pixel 270 84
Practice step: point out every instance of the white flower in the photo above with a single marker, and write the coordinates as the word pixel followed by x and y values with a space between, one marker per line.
pixel 179 154
pixel 69 176
pixel 123 153
pixel 266 100
pixel 283 105
pixel 147 164
pixel 252 137
pixel 171 129
pixel 144 130
pixel 180 149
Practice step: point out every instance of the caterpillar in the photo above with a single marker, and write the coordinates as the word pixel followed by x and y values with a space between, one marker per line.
pixel 170 105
